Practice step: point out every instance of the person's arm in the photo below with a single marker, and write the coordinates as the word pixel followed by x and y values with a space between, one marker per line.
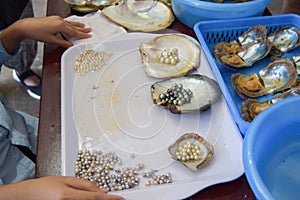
pixel 43 29
pixel 55 188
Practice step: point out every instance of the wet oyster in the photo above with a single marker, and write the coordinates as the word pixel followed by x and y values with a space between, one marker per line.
pixel 236 56
pixel 192 151
pixel 170 55
pixel 284 39
pixel 249 48
pixel 186 94
pixel 277 76
pixel 140 15
pixel 254 33
pixel 251 107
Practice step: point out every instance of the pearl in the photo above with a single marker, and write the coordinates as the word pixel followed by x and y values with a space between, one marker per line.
pixel 169 57
pixel 90 60
pixel 188 151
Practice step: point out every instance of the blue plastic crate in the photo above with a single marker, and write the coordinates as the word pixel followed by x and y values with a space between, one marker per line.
pixel 211 32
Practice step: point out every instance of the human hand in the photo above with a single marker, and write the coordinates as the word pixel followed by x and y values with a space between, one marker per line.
pixel 55 188
pixel 45 29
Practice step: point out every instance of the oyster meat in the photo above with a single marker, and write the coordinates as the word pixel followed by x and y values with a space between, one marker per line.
pixel 276 77
pixel 251 47
pixel 139 15
pixel 192 151
pixel 170 55
pixel 186 94
pixel 284 39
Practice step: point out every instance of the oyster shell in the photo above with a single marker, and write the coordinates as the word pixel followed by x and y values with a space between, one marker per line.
pixel 251 107
pixel 284 39
pixel 89 5
pixel 277 76
pixel 198 151
pixel 193 93
pixel 253 34
pixel 169 56
pixel 296 60
pixel 234 55
pixel 140 15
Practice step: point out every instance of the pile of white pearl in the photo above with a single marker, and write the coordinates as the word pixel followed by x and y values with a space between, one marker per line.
pixel 176 95
pixel 168 56
pixel 188 151
pixel 90 60
pixel 102 168
pixel 157 179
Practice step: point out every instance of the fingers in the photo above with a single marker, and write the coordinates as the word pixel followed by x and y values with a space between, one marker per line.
pixel 83 189
pixel 77 31
pixel 77 183
pixel 74 23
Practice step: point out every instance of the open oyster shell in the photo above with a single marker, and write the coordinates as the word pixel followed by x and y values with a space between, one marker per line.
pixel 249 48
pixel 284 39
pixel 170 55
pixel 200 93
pixel 254 33
pixel 277 76
pixel 234 55
pixel 251 107
pixel 192 151
pixel 131 15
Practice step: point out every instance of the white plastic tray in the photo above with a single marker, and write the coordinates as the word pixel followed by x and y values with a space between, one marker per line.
pixel 112 109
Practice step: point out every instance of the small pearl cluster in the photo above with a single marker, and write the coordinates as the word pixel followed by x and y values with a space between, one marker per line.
pixel 188 151
pixel 169 56
pixel 157 179
pixel 101 168
pixel 90 60
pixel 176 95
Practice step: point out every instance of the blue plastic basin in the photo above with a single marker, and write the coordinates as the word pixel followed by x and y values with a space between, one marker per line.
pixel 189 12
pixel 271 151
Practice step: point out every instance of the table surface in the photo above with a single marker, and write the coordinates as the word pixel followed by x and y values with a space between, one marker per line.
pixel 49 140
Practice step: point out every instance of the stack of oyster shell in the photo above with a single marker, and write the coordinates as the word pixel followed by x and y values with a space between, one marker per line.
pixel 172 58
pixel 279 77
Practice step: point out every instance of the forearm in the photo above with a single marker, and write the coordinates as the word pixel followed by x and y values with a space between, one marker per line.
pixel 12 36
pixel 15 191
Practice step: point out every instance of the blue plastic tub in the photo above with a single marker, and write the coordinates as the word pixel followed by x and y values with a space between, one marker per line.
pixel 211 32
pixel 271 152
pixel 189 12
